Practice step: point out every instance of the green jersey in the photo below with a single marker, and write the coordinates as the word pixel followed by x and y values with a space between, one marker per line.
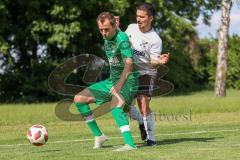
pixel 116 50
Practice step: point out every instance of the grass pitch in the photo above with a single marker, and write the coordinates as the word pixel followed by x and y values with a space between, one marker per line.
pixel 195 126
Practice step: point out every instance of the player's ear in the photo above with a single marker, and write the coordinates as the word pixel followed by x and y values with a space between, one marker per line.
pixel 117 21
pixel 151 18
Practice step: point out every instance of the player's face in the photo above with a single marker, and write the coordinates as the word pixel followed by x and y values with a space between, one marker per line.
pixel 144 21
pixel 106 29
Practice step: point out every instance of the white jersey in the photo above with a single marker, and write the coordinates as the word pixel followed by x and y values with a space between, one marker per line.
pixel 146 46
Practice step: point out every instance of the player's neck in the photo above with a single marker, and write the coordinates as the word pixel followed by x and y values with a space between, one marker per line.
pixel 113 35
pixel 146 29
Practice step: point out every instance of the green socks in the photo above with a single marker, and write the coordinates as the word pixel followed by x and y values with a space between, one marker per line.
pixel 118 115
pixel 86 113
pixel 122 122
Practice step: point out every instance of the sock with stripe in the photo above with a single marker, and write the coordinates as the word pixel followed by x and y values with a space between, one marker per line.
pixel 122 122
pixel 149 126
pixel 87 114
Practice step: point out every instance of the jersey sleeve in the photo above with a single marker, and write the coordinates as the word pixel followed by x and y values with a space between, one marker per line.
pixel 124 46
pixel 156 49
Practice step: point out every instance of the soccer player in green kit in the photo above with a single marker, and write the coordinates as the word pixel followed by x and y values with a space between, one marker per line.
pixel 119 89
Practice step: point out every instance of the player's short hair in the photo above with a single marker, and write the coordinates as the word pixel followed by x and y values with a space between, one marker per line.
pixel 106 15
pixel 148 7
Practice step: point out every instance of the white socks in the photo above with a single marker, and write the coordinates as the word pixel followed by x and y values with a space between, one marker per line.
pixel 148 121
pixel 149 126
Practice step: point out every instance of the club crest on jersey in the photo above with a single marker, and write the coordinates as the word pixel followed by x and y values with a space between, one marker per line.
pixel 143 44
pixel 110 46
pixel 114 61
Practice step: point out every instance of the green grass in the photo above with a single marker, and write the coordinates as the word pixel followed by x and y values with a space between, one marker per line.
pixel 195 126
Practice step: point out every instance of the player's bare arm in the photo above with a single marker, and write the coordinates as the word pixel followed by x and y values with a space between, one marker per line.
pixel 163 59
pixel 127 69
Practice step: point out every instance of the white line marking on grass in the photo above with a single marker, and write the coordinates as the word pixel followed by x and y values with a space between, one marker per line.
pixel 162 134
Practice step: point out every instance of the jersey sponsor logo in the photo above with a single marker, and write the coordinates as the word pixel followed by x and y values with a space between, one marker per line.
pixel 138 53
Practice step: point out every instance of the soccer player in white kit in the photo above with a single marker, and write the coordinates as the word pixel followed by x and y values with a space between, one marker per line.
pixel 147 47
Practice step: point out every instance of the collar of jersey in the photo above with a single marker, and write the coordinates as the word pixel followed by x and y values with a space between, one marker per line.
pixel 112 37
pixel 150 30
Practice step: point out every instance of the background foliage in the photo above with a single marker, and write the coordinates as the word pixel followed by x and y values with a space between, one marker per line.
pixel 36 36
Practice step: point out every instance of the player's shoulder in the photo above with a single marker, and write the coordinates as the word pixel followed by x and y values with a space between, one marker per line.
pixel 133 26
pixel 122 36
pixel 155 38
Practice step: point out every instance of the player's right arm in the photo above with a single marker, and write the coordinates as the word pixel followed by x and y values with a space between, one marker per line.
pixel 163 59
pixel 156 58
pixel 127 55
pixel 128 65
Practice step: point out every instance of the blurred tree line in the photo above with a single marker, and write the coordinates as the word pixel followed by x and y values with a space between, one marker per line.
pixel 36 36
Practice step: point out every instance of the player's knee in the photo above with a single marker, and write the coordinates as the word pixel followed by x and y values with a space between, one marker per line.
pixel 121 102
pixel 79 98
pixel 117 102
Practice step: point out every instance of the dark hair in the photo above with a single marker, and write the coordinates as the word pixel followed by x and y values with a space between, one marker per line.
pixel 106 15
pixel 148 7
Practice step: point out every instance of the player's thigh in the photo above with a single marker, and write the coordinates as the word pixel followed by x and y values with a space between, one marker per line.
pixel 146 83
pixel 143 104
pixel 128 93
pixel 84 96
pixel 101 91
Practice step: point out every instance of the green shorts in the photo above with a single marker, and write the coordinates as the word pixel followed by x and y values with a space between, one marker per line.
pixel 101 91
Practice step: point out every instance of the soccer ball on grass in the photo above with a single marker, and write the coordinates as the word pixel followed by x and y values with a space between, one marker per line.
pixel 37 135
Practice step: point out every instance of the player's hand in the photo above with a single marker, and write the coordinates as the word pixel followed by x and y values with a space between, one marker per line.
pixel 116 89
pixel 164 58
